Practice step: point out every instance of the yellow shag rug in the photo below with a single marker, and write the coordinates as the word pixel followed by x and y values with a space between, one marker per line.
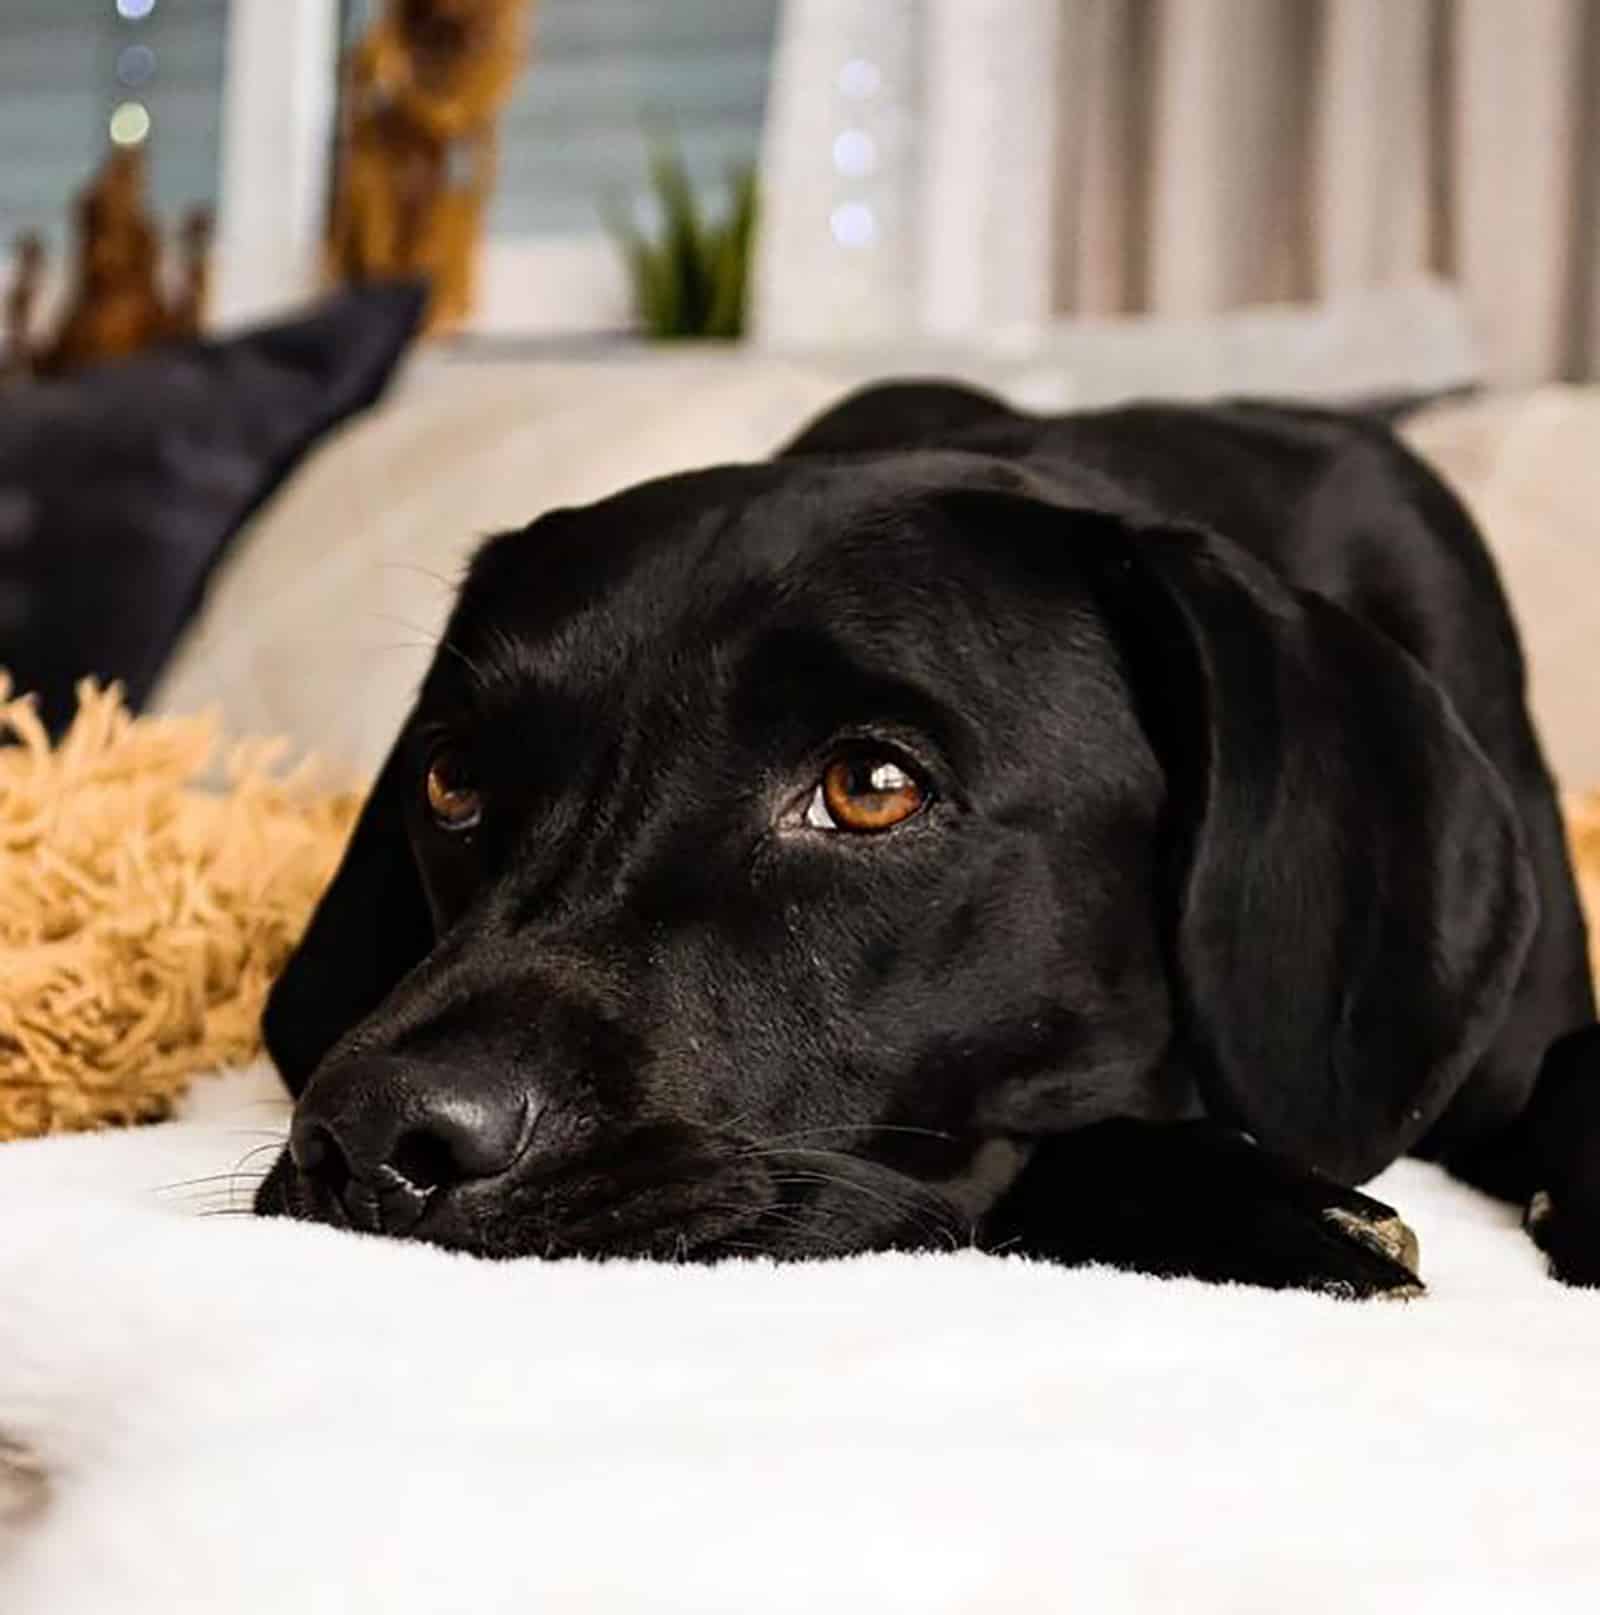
pixel 143 915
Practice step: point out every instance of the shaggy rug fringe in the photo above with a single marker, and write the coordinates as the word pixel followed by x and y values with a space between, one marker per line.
pixel 142 915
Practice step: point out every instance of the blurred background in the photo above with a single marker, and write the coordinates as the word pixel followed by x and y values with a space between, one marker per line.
pixel 650 234
pixel 943 167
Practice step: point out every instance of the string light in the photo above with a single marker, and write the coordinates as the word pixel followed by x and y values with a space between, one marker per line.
pixel 130 124
pixel 135 66
pixel 859 79
pixel 854 152
pixel 853 224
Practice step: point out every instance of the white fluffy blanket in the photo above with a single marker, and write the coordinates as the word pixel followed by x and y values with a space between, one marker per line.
pixel 240 1416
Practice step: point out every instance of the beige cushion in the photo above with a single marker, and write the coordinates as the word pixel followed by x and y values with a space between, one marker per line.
pixel 320 624
pixel 317 626
pixel 1529 469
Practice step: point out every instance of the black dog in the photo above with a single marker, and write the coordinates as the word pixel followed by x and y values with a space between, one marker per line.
pixel 1104 837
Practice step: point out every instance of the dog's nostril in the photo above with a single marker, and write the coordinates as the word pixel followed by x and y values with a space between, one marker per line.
pixel 425 1160
pixel 378 1133
pixel 315 1150
pixel 312 1146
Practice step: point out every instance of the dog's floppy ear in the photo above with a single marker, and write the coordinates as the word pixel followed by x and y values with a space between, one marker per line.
pixel 371 926
pixel 1353 897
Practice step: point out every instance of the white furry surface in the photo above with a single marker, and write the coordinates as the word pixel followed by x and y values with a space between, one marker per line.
pixel 238 1417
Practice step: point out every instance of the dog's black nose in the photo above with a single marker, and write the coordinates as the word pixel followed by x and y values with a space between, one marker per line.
pixel 381 1135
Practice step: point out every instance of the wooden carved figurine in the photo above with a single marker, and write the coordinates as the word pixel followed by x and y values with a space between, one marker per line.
pixel 422 92
pixel 116 307
pixel 21 297
pixel 116 304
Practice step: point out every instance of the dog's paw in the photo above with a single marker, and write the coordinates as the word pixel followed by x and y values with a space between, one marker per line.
pixel 1302 1231
pixel 1571 1243
pixel 1323 1238
pixel 1337 1242
pixel 1198 1200
pixel 1378 1230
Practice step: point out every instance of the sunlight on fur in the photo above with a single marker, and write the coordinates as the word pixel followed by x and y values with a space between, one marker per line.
pixel 142 915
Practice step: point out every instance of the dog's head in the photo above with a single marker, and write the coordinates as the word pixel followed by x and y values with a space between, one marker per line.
pixel 774 851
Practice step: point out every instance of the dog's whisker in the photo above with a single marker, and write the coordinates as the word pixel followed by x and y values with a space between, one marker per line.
pixel 429 642
pixel 238 1182
pixel 239 1193
pixel 241 1207
pixel 421 571
pixel 403 622
pixel 909 1194
pixel 891 1202
pixel 402 644
pixel 920 1204
pixel 779 1216
pixel 823 1244
pixel 451 648
pixel 275 1141
pixel 854 1128
pixel 911 1188
pixel 215 1177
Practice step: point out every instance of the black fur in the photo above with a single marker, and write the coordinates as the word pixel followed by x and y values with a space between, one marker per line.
pixel 1242 873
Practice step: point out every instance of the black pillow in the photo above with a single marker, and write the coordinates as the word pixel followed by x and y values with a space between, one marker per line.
pixel 121 486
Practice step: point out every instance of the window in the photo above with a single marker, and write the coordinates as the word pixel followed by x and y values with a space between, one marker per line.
pixel 601 78
pixel 602 75
pixel 575 137
pixel 69 69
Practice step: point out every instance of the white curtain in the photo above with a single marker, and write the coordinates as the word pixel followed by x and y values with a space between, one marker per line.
pixel 1190 156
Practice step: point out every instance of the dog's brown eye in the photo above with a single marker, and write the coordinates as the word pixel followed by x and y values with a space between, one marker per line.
pixel 453 800
pixel 864 794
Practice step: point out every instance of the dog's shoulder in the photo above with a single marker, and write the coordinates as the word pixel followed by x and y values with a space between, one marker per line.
pixel 1222 464
pixel 1332 500
pixel 909 414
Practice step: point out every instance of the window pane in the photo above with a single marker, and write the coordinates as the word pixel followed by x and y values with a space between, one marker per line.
pixel 601 75
pixel 65 65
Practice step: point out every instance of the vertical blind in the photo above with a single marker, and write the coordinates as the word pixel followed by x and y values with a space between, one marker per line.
pixel 604 78
pixel 604 74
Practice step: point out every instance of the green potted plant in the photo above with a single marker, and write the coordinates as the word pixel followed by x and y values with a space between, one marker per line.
pixel 690 277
